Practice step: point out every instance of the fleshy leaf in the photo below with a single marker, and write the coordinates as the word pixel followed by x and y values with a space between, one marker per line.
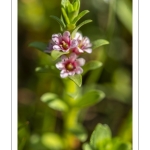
pixel 124 146
pixel 76 79
pixel 99 43
pixel 59 21
pixel 100 137
pixel 80 16
pixel 43 69
pixel 56 54
pixel 87 146
pixel 65 15
pixel 47 97
pixel 58 104
pixel 52 141
pixel 70 7
pixel 92 65
pixel 54 101
pixel 64 3
pixel 39 45
pixel 79 26
pixel 90 98
pixel 76 5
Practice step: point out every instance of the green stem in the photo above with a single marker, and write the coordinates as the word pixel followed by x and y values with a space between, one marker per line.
pixel 71 116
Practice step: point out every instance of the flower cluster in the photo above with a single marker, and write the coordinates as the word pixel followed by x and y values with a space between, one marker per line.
pixel 70 64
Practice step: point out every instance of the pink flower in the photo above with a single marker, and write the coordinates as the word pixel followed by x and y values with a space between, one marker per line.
pixel 70 66
pixel 63 42
pixel 84 44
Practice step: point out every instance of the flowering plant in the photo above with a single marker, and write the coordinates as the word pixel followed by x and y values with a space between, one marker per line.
pixel 67 49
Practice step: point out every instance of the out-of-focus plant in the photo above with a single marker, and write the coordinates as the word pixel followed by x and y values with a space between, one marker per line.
pixel 66 50
pixel 101 139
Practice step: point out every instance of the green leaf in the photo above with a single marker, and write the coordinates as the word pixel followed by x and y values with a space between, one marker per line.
pixel 64 3
pixel 39 45
pixel 79 26
pixel 70 8
pixel 47 97
pixel 100 137
pixel 56 54
pixel 90 98
pixel 99 43
pixel 43 69
pixel 92 65
pixel 65 15
pixel 79 131
pixel 76 79
pixel 124 146
pixel 62 20
pixel 80 16
pixel 87 146
pixel 58 104
pixel 59 21
pixel 54 101
pixel 52 141
pixel 76 5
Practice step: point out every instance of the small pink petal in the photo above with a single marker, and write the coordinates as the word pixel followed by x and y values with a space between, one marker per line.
pixel 56 47
pixel 81 61
pixel 63 71
pixel 79 70
pixel 66 34
pixel 64 58
pixel 87 40
pixel 72 57
pixel 64 75
pixel 60 65
pixel 71 73
pixel 74 43
pixel 56 40
pixel 78 36
pixel 80 50
pixel 88 50
pixel 66 37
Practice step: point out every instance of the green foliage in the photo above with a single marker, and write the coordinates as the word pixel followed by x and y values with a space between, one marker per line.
pixel 87 146
pixel 79 131
pixel 39 45
pixel 66 18
pixel 54 102
pixel 92 65
pixel 83 13
pixel 52 141
pixel 101 139
pixel 55 54
pixel 70 12
pixel 77 79
pixel 43 69
pixel 64 3
pixel 79 26
pixel 47 97
pixel 99 43
pixel 59 21
pixel 58 105
pixel 90 98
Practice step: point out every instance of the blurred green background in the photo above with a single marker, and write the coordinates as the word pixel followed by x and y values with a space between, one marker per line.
pixel 112 20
